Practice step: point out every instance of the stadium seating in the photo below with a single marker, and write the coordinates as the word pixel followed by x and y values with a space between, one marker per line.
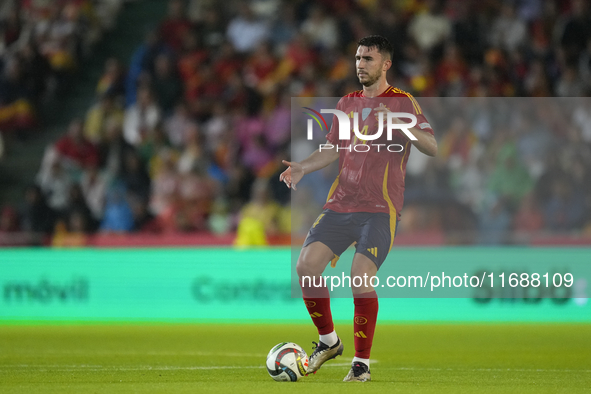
pixel 191 124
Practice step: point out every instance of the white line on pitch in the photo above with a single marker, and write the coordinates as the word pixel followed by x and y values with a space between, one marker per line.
pixel 69 368
pixel 96 368
pixel 156 353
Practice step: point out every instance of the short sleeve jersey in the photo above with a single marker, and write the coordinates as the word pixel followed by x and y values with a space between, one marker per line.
pixel 371 179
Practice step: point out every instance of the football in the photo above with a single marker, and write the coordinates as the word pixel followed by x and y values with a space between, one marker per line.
pixel 287 362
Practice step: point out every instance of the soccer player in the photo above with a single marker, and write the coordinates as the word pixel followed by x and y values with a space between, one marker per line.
pixel 363 205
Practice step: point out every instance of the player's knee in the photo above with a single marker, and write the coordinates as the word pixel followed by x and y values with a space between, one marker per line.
pixel 361 270
pixel 306 267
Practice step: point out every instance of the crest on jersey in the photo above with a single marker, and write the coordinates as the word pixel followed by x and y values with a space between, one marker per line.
pixel 365 113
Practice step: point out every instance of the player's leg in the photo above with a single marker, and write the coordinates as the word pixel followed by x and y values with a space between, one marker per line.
pixel 365 317
pixel 311 264
pixel 327 239
pixel 372 248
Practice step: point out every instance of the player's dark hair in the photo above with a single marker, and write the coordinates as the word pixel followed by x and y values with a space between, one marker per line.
pixel 380 43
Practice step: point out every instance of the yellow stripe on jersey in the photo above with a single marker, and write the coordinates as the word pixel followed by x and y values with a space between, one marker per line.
pixel 414 102
pixel 393 216
pixel 334 186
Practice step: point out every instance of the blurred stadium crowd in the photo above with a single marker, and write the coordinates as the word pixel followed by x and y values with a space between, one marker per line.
pixel 188 133
pixel 41 43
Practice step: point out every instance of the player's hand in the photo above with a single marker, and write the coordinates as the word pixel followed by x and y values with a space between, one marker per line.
pixel 293 174
pixel 382 108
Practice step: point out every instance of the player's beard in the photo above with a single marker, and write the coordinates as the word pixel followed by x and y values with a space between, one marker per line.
pixel 371 79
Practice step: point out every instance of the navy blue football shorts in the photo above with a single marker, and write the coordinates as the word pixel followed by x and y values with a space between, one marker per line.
pixel 372 233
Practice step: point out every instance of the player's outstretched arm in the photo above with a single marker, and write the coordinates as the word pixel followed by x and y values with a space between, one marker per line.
pixel 316 161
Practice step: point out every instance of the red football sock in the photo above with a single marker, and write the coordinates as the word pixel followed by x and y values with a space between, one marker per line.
pixel 364 323
pixel 317 301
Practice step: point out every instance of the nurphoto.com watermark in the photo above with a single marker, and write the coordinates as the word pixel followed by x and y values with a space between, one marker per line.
pixel 436 281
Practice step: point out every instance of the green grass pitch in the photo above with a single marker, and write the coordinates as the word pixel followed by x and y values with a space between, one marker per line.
pixel 228 358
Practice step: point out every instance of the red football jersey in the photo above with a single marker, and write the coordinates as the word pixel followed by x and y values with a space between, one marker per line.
pixel 372 181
